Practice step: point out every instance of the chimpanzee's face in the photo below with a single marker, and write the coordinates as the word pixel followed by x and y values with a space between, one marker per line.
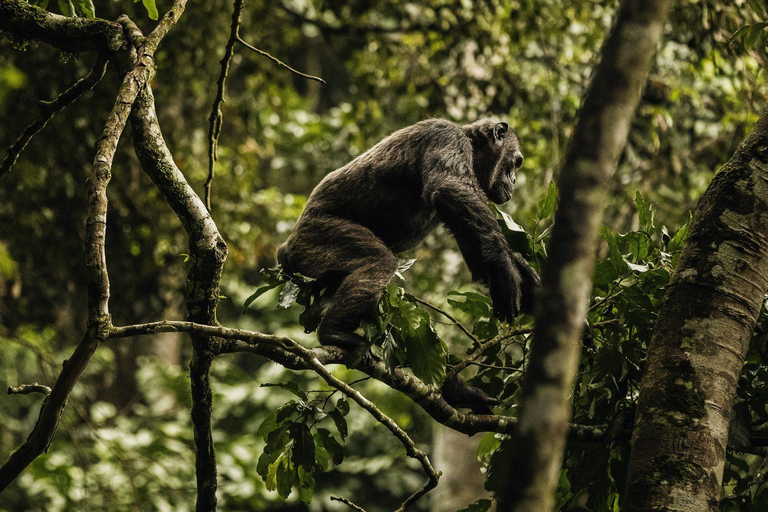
pixel 507 158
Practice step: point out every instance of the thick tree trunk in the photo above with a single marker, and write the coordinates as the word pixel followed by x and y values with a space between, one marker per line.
pixel 593 152
pixel 700 341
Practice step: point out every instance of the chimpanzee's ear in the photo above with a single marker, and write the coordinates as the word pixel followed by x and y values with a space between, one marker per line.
pixel 499 130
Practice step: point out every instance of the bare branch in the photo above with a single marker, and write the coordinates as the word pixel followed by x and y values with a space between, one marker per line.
pixel 348 503
pixel 278 61
pixel 50 108
pixel 215 118
pixel 26 389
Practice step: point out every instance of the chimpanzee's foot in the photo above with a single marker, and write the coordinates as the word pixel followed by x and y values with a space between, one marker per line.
pixel 345 340
pixel 459 394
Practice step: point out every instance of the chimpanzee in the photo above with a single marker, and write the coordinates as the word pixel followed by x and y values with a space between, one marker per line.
pixel 388 199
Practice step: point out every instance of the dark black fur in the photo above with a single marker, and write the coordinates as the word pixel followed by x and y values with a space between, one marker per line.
pixel 389 198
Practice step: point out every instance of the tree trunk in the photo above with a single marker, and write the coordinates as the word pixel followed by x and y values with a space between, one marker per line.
pixel 593 152
pixel 462 482
pixel 700 340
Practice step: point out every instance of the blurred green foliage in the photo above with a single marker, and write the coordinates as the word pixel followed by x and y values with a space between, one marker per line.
pixel 124 442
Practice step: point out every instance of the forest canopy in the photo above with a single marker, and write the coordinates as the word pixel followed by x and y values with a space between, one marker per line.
pixel 158 154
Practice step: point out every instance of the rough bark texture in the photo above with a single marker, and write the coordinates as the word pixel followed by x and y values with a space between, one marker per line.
pixel 207 251
pixel 594 149
pixel 700 341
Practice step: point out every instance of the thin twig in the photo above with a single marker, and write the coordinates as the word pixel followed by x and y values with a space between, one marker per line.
pixel 348 503
pixel 278 61
pixel 449 317
pixel 482 348
pixel 26 389
pixel 215 118
pixel 50 108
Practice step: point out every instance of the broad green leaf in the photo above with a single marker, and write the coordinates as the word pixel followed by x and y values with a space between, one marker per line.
pixel 638 243
pixel 321 454
pixel 306 484
pixel 475 304
pixel 285 476
pixel 266 460
pixel 87 8
pixel 331 445
pixel 342 406
pixel 151 8
pixel 341 423
pixel 303 449
pixel 488 444
pixel 425 350
pixel 66 7
pixel 514 233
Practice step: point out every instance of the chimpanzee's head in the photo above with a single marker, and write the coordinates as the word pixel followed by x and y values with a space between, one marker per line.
pixel 496 155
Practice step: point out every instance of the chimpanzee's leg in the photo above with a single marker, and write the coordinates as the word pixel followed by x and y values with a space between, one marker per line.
pixel 349 258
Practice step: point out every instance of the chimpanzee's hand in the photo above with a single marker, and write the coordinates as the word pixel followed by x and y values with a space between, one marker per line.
pixel 530 285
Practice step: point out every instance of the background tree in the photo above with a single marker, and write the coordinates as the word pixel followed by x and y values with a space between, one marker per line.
pixel 121 444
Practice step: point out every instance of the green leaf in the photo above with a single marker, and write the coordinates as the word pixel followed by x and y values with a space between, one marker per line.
pixel 258 293
pixel 341 423
pixel 425 350
pixel 43 4
pixel 615 256
pixel 645 211
pixel 151 8
pixel 547 205
pixel 268 425
pixel 266 460
pixel 499 467
pixel 66 8
pixel 514 233
pixel 321 454
pixel 488 444
pixel 678 241
pixel 303 449
pixel 342 406
pixel 331 444
pixel 87 8
pixel 475 304
pixel 639 244
pixel 306 484
pixel 285 476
